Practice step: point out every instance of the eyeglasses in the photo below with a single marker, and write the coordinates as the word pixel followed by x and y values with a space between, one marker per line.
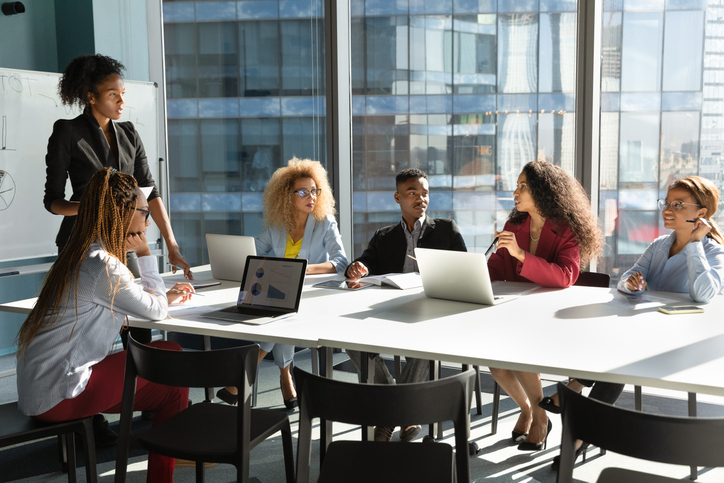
pixel 147 212
pixel 674 205
pixel 305 193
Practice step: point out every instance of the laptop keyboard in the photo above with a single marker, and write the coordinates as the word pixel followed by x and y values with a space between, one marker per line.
pixel 249 311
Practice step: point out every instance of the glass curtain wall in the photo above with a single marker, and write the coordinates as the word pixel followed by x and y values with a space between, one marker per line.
pixel 662 103
pixel 466 90
pixel 245 88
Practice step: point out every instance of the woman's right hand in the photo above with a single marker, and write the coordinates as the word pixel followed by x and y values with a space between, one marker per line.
pixel 136 242
pixel 636 282
pixel 507 240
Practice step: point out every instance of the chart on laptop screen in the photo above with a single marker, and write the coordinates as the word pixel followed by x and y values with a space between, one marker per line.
pixel 271 283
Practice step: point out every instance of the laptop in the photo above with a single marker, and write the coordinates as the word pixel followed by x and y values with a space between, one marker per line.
pixel 459 276
pixel 271 288
pixel 227 255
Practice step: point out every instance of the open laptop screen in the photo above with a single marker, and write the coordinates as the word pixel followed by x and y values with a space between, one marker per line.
pixel 272 282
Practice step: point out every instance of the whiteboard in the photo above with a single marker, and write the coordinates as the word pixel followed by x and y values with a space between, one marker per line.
pixel 29 106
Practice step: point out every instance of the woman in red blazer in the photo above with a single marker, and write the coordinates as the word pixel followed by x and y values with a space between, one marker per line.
pixel 549 235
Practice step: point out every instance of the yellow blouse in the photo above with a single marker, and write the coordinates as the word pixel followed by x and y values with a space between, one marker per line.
pixel 292 249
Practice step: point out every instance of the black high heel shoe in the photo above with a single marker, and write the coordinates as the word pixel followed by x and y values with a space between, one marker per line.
pixel 548 404
pixel 557 459
pixel 528 446
pixel 226 396
pixel 290 403
pixel 518 437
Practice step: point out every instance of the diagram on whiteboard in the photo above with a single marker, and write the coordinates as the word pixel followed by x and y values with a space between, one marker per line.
pixel 7 190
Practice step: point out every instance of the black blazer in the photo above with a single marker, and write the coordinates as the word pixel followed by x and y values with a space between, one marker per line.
pixel 78 148
pixel 386 250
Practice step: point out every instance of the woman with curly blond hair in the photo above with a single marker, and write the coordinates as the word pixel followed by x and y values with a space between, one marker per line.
pixel 299 219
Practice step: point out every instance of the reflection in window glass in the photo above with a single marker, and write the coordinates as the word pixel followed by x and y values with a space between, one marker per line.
pixel 668 65
pixel 683 51
pixel 458 97
pixel 246 92
pixel 641 51
pixel 639 147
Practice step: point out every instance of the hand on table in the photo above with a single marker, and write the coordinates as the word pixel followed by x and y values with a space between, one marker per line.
pixel 357 270
pixel 180 293
pixel 636 282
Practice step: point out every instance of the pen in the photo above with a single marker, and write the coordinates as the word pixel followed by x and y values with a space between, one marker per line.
pixel 185 292
pixel 492 247
pixel 700 219
pixel 412 257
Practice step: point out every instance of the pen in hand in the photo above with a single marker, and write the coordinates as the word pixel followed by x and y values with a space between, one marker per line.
pixel 492 248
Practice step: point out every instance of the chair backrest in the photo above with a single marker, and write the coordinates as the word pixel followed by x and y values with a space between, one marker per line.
pixel 390 405
pixel 213 368
pixel 225 367
pixel 652 437
pixel 593 279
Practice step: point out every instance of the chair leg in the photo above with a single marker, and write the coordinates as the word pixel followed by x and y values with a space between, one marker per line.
pixel 70 449
pixel 692 413
pixel 62 456
pixel 200 472
pixel 89 451
pixel 288 447
pixel 496 409
pixel 315 361
pixel 638 398
pixel 255 389
pixel 478 391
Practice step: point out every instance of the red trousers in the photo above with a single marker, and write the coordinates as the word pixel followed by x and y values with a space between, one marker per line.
pixel 103 395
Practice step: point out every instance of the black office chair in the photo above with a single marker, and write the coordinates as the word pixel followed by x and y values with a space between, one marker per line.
pixel 204 432
pixel 664 439
pixel 17 428
pixel 385 405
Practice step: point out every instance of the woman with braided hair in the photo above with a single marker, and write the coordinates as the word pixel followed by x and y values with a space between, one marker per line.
pixel 65 370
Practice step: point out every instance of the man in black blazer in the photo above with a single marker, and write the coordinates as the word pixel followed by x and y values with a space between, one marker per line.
pixel 392 250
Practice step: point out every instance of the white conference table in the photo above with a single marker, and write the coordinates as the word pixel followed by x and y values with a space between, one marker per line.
pixel 591 333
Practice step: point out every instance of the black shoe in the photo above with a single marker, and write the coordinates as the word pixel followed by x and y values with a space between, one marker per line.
pixel 290 403
pixel 518 437
pixel 527 446
pixel 103 434
pixel 548 404
pixel 226 396
pixel 147 415
pixel 557 459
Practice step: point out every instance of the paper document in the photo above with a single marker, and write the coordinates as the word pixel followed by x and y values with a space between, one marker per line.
pixel 402 281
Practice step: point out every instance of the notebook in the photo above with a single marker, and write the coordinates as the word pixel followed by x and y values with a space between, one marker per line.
pixel 460 276
pixel 270 288
pixel 227 255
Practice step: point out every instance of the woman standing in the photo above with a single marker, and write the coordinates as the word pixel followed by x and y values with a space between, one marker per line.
pixel 64 370
pixel 299 218
pixel 80 147
pixel 549 235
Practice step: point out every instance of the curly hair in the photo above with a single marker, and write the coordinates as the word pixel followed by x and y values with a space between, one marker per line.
pixel 559 197
pixel 409 173
pixel 279 208
pixel 106 210
pixel 83 75
pixel 707 196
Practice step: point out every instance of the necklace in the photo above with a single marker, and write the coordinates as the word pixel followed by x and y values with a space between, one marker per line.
pixel 534 239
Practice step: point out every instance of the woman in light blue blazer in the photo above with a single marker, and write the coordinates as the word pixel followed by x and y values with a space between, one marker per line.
pixel 299 219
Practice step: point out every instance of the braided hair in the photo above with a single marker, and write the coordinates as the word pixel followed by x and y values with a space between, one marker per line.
pixel 106 210
pixel 83 76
